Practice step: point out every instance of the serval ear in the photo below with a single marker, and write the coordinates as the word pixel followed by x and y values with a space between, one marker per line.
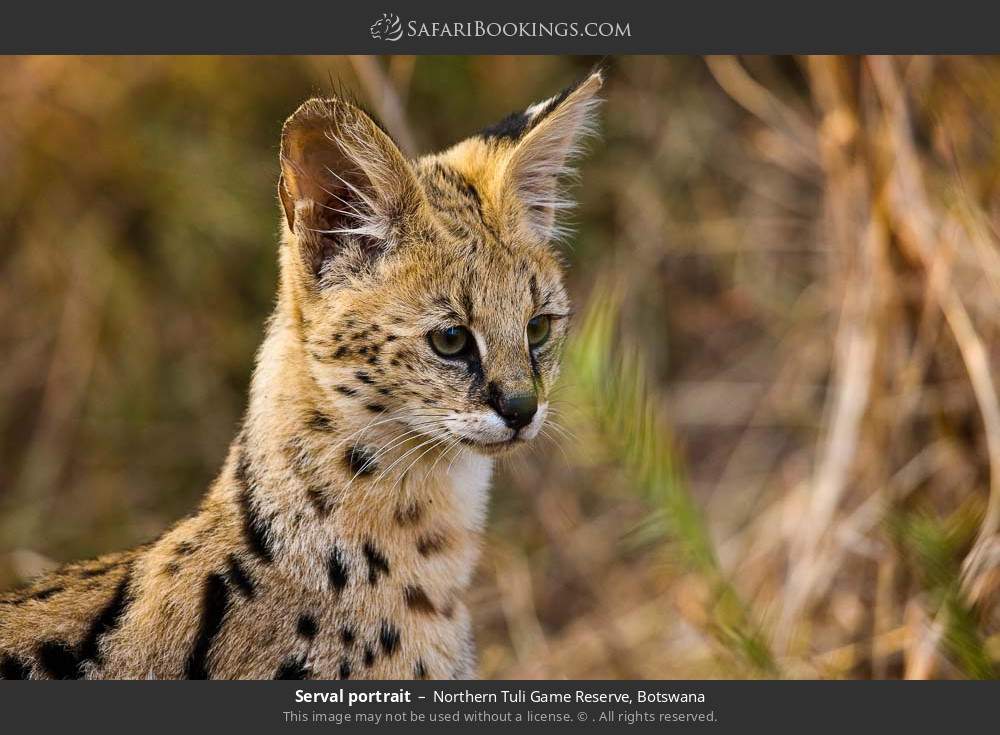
pixel 344 186
pixel 544 140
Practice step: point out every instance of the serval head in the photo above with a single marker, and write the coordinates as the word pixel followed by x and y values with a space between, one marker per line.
pixel 429 292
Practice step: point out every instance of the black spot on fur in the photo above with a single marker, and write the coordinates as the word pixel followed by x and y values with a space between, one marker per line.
pixel 299 457
pixel 418 601
pixel 431 543
pixel 389 638
pixel 292 668
pixel 12 667
pixel 375 407
pixel 45 593
pixel 19 597
pixel 377 563
pixel 347 635
pixel 345 669
pixel 106 621
pixel 255 529
pixel 337 569
pixel 214 602
pixel 318 497
pixel 319 421
pixel 58 660
pixel 344 390
pixel 100 570
pixel 184 548
pixel 359 461
pixel 420 671
pixel 239 577
pixel 369 657
pixel 341 351
pixel 364 377
pixel 410 514
pixel 307 627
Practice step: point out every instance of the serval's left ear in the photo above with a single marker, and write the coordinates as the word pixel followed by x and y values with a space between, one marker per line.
pixel 545 139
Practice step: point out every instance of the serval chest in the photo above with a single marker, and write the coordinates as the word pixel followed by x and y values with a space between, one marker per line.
pixel 351 589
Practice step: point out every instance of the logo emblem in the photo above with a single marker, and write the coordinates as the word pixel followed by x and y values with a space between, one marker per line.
pixel 387 28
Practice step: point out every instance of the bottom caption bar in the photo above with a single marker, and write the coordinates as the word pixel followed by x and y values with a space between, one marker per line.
pixel 606 706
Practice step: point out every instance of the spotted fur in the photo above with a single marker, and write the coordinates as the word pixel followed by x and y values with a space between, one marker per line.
pixel 341 534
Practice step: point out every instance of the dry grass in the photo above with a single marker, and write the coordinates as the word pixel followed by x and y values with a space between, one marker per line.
pixel 779 451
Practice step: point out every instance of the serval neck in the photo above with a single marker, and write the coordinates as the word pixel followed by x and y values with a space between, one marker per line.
pixel 308 476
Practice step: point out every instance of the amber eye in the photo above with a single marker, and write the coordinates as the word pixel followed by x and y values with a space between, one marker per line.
pixel 451 342
pixel 538 330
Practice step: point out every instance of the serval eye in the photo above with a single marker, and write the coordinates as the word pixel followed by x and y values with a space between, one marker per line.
pixel 451 342
pixel 538 330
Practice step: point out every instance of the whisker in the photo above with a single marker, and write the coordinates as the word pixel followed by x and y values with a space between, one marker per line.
pixel 405 455
pixel 402 474
pixel 447 449
pixel 393 443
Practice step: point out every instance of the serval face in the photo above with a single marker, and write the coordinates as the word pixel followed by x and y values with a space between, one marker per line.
pixel 431 292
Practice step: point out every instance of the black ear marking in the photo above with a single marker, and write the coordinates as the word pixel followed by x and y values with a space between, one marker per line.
pixel 511 127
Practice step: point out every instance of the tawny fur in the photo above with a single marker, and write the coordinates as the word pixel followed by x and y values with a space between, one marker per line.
pixel 343 530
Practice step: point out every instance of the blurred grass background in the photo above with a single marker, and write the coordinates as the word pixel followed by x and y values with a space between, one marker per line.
pixel 779 442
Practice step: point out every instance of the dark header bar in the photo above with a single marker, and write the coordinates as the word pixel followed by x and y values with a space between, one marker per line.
pixel 511 27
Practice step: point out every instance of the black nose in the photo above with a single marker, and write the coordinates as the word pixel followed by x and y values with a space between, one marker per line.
pixel 516 410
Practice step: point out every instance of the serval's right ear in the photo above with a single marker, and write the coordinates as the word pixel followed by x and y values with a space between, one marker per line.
pixel 344 183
